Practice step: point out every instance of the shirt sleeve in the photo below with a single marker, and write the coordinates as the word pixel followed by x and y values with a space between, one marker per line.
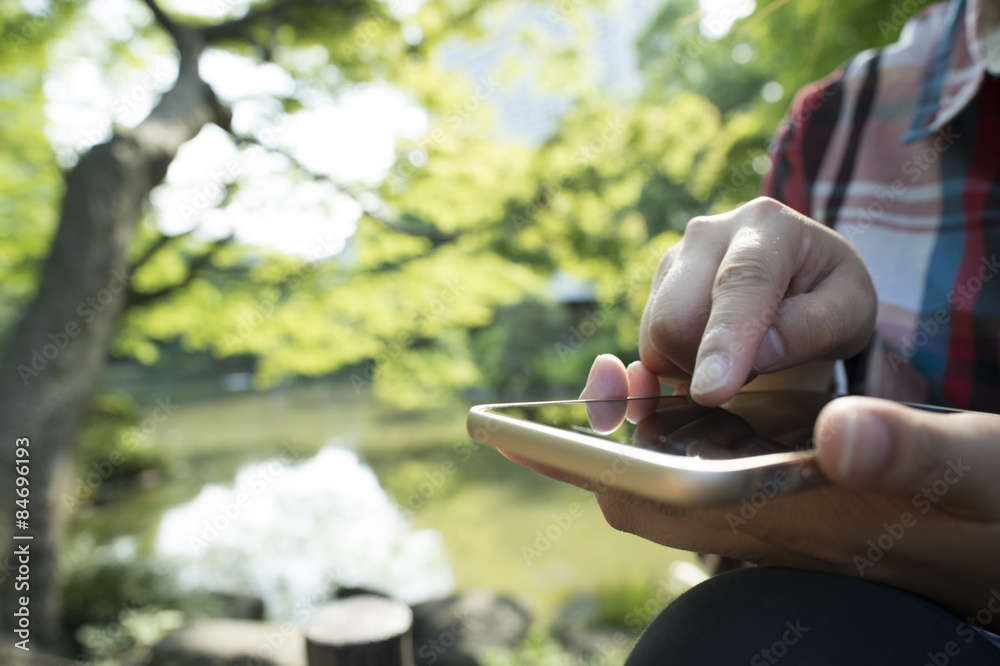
pixel 801 143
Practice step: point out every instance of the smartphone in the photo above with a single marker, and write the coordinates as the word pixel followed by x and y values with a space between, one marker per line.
pixel 757 444
pixel 684 453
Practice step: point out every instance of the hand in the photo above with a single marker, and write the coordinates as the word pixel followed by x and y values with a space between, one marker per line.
pixel 914 503
pixel 915 496
pixel 756 290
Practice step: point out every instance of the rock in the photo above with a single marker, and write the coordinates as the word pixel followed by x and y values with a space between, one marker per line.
pixel 590 643
pixel 231 643
pixel 453 631
pixel 16 657
pixel 238 605
pixel 345 592
pixel 577 629
pixel 363 629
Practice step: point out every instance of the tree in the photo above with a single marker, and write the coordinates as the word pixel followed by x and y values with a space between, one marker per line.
pixel 463 225
pixel 54 356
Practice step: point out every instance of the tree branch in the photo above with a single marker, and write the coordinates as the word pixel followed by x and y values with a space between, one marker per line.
pixel 429 232
pixel 237 28
pixel 155 247
pixel 165 21
pixel 198 264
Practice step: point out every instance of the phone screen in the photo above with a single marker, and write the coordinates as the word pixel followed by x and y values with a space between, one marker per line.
pixel 751 424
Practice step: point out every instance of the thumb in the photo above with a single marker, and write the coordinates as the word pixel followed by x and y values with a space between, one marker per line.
pixel 949 460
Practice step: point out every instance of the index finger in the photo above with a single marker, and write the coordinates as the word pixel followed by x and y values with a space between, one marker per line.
pixel 750 283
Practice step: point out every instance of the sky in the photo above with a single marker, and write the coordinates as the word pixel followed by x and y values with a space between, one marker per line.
pixel 358 131
pixel 87 89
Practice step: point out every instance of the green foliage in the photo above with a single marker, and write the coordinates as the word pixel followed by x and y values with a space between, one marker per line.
pixel 618 604
pixel 128 639
pixel 786 43
pixel 30 184
pixel 541 649
pixel 117 604
pixel 458 298
pixel 112 449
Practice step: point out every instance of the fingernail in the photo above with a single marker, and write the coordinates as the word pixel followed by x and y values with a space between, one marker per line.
pixel 712 372
pixel 770 353
pixel 593 369
pixel 866 447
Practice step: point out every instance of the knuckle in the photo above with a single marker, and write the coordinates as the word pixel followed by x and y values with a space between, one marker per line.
pixel 745 272
pixel 767 206
pixel 700 226
pixel 826 331
pixel 831 329
pixel 665 262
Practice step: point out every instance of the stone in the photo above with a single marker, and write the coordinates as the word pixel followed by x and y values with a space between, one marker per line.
pixel 456 630
pixel 577 628
pixel 16 657
pixel 238 606
pixel 231 643
pixel 360 629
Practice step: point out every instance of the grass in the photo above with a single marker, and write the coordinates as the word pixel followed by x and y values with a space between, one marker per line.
pixel 507 528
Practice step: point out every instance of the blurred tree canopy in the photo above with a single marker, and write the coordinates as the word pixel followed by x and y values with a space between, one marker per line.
pixel 480 224
pixel 447 281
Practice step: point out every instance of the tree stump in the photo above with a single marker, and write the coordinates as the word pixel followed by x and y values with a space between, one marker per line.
pixel 363 630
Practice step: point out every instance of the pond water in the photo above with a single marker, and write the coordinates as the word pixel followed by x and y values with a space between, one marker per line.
pixel 290 492
pixel 290 530
pixel 266 493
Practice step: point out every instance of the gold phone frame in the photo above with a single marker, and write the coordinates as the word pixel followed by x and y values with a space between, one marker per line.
pixel 653 475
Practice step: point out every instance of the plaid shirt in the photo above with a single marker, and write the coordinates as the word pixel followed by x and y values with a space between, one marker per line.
pixel 899 151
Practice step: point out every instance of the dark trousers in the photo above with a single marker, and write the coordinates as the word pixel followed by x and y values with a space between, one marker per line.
pixel 762 616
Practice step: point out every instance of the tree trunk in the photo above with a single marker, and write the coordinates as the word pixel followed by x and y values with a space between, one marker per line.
pixel 55 358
